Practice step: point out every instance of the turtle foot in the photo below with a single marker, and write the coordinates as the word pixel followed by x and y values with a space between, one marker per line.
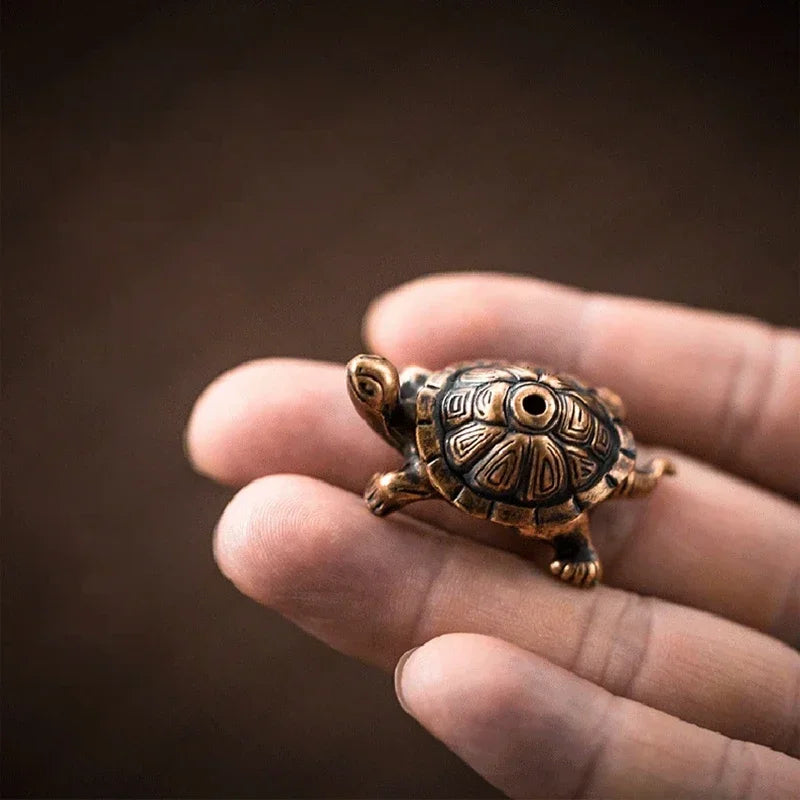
pixel 379 496
pixel 390 491
pixel 583 573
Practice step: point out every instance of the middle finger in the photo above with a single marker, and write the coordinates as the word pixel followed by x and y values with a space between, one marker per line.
pixel 703 538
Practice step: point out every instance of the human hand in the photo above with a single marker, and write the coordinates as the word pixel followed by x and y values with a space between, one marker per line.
pixel 677 677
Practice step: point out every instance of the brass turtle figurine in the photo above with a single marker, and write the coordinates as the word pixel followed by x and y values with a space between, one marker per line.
pixel 513 443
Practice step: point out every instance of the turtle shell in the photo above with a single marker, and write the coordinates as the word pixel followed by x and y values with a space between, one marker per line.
pixel 518 444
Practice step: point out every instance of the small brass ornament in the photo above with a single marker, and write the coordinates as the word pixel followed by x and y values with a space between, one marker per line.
pixel 512 443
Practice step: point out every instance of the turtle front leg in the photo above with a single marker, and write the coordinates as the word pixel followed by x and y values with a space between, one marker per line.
pixel 575 559
pixel 642 480
pixel 389 491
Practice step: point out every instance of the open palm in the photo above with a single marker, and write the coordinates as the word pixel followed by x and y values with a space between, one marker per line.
pixel 677 677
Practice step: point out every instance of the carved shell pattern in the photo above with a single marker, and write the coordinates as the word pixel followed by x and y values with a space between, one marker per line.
pixel 519 444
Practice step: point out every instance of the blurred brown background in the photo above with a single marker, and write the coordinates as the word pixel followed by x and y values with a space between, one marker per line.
pixel 188 185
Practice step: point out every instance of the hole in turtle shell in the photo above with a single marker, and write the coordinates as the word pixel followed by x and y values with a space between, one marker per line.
pixel 534 404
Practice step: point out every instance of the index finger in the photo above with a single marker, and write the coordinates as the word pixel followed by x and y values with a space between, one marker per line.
pixel 720 387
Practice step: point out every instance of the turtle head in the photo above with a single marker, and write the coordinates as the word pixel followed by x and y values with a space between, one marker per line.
pixel 374 388
pixel 372 381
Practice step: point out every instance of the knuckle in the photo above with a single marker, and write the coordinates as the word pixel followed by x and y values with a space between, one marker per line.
pixel 756 397
pixel 616 644
pixel 737 770
pixel 609 725
pixel 423 622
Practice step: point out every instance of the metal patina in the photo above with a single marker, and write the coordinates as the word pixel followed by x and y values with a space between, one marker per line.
pixel 512 443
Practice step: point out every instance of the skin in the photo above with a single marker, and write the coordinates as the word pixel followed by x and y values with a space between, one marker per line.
pixel 679 677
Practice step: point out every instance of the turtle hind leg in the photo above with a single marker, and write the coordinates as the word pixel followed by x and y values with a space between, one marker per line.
pixel 575 560
pixel 642 480
pixel 612 401
pixel 389 491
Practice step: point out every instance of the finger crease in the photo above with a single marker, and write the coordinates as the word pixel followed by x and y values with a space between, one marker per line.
pixel 587 644
pixel 751 384
pixel 420 621
pixel 634 634
pixel 736 771
pixel 596 757
pixel 616 661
